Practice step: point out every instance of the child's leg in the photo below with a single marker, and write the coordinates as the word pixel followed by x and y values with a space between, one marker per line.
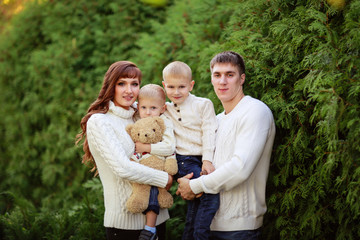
pixel 192 207
pixel 151 219
pixel 186 165
pixel 208 205
pixel 152 211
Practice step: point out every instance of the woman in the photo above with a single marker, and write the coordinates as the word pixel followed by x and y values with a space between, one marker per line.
pixel 108 147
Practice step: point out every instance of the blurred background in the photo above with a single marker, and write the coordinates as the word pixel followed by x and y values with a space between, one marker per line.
pixel 302 60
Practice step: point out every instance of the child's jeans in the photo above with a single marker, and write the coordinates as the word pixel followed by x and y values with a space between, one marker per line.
pixel 201 210
pixel 238 235
pixel 153 201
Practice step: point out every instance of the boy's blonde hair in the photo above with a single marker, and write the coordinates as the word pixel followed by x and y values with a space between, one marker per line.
pixel 152 91
pixel 177 69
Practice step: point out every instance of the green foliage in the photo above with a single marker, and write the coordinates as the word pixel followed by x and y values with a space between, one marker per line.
pixel 54 71
pixel 191 27
pixel 302 60
pixel 82 220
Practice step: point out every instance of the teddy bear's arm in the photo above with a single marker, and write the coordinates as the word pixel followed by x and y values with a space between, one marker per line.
pixel 171 166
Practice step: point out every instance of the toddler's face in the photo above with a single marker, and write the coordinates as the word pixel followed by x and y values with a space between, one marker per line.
pixel 177 89
pixel 150 107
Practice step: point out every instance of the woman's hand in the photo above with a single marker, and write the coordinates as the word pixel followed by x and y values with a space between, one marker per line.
pixel 170 181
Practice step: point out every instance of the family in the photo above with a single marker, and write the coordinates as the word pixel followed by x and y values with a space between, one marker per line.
pixel 223 161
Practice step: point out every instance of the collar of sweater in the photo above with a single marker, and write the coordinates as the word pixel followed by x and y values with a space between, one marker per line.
pixel 187 101
pixel 121 112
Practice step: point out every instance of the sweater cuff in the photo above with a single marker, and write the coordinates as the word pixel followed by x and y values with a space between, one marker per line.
pixel 157 149
pixel 196 185
pixel 161 179
pixel 207 156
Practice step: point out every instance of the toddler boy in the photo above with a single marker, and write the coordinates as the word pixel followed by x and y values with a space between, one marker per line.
pixel 151 102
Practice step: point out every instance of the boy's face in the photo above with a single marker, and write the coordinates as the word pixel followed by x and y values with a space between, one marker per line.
pixel 177 89
pixel 151 107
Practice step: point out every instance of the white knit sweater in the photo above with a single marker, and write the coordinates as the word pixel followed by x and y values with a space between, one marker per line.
pixel 195 126
pixel 244 143
pixel 112 148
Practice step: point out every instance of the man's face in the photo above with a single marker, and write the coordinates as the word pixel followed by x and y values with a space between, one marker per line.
pixel 227 82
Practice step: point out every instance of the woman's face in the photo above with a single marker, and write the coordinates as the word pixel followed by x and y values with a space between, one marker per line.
pixel 126 92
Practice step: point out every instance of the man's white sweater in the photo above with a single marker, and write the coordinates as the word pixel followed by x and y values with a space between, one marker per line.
pixel 243 149
pixel 112 148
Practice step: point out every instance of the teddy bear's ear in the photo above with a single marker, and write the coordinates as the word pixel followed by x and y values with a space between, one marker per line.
pixel 128 129
pixel 161 124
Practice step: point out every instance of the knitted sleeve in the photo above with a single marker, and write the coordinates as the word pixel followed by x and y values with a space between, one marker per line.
pixel 251 137
pixel 105 145
pixel 208 127
pixel 167 146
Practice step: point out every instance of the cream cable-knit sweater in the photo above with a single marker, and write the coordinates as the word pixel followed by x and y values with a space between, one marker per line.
pixel 112 148
pixel 195 126
pixel 244 143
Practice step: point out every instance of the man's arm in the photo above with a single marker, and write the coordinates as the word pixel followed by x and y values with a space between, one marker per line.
pixel 250 141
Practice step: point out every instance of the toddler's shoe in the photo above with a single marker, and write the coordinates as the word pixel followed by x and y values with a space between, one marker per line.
pixel 147 235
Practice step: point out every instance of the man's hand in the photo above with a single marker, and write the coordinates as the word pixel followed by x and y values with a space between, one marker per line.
pixel 184 189
pixel 142 147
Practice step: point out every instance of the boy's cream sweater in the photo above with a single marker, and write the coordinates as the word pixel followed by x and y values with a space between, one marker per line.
pixel 195 126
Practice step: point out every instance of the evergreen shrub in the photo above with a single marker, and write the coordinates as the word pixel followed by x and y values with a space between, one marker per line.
pixel 302 60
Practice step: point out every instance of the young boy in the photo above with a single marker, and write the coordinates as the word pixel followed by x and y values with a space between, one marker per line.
pixel 151 102
pixel 195 125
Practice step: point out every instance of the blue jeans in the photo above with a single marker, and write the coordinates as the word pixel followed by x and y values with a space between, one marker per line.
pixel 201 210
pixel 238 235
pixel 153 201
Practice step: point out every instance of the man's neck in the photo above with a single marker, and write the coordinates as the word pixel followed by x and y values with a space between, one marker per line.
pixel 230 105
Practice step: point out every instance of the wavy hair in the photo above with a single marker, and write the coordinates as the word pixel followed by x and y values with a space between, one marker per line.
pixel 117 70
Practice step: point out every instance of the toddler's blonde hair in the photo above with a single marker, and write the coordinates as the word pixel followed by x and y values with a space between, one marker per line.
pixel 152 91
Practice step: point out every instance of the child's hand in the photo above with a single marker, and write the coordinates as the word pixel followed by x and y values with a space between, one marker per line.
pixel 207 167
pixel 142 147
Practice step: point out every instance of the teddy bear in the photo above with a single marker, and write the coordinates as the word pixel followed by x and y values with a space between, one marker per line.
pixel 149 130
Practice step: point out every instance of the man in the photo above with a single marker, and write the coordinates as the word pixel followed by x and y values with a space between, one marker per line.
pixel 243 148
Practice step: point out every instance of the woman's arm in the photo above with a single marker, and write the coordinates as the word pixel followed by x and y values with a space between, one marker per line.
pixel 105 145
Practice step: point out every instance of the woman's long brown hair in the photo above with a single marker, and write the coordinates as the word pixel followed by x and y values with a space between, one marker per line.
pixel 120 69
